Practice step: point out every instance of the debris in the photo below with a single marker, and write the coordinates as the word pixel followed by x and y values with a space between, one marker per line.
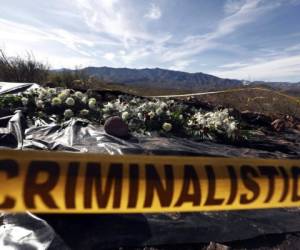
pixel 217 246
pixel 286 122
pixel 278 125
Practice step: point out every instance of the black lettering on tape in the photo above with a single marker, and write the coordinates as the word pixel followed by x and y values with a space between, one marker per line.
pixel 33 188
pixel 11 168
pixel 285 189
pixel 296 186
pixel 270 172
pixel 70 188
pixel 190 177
pixel 133 185
pixel 233 185
pixel 211 178
pixel 154 182
pixel 104 185
pixel 94 178
pixel 247 174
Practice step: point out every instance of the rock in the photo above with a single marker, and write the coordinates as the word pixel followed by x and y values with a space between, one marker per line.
pixel 217 246
pixel 115 126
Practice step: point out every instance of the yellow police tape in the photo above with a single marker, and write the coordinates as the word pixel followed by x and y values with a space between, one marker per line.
pixel 48 182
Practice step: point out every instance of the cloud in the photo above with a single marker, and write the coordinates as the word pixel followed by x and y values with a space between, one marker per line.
pixel 12 31
pixel 295 47
pixel 112 18
pixel 234 65
pixel 109 56
pixel 181 65
pixel 247 12
pixel 154 12
pixel 122 24
pixel 232 6
pixel 272 70
pixel 102 16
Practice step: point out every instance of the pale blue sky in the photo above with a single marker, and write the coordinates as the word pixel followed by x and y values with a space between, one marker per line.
pixel 243 39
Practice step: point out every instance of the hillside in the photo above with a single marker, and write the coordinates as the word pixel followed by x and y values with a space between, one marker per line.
pixel 162 81
pixel 286 87
pixel 161 78
pixel 260 100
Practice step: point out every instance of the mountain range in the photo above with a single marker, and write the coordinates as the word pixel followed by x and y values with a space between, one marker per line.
pixel 178 80
pixel 167 79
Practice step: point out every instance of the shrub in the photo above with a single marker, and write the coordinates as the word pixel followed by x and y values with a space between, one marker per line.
pixel 17 69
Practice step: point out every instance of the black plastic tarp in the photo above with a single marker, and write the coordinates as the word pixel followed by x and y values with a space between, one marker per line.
pixel 113 231
pixel 14 87
pixel 82 136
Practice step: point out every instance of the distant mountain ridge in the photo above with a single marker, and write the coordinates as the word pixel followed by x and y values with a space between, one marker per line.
pixel 169 79
pixel 178 80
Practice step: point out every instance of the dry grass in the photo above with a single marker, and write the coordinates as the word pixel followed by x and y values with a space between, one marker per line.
pixel 261 100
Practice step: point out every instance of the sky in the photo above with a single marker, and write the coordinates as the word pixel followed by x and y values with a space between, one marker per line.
pixel 239 39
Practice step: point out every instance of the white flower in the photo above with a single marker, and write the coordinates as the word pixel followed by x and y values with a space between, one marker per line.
pixel 79 94
pixel 31 91
pixel 226 120
pixel 85 99
pixel 51 91
pixel 125 115
pixel 24 101
pixel 92 103
pixel 171 102
pixel 167 126
pixel 42 93
pixel 63 96
pixel 108 106
pixel 168 113
pixel 68 113
pixel 151 114
pixel 56 101
pixel 163 105
pixel 217 124
pixel 190 123
pixel 140 116
pixel 151 104
pixel 84 112
pixel 66 91
pixel 232 127
pixel 39 103
pixel 70 101
pixel 180 117
pixel 159 111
